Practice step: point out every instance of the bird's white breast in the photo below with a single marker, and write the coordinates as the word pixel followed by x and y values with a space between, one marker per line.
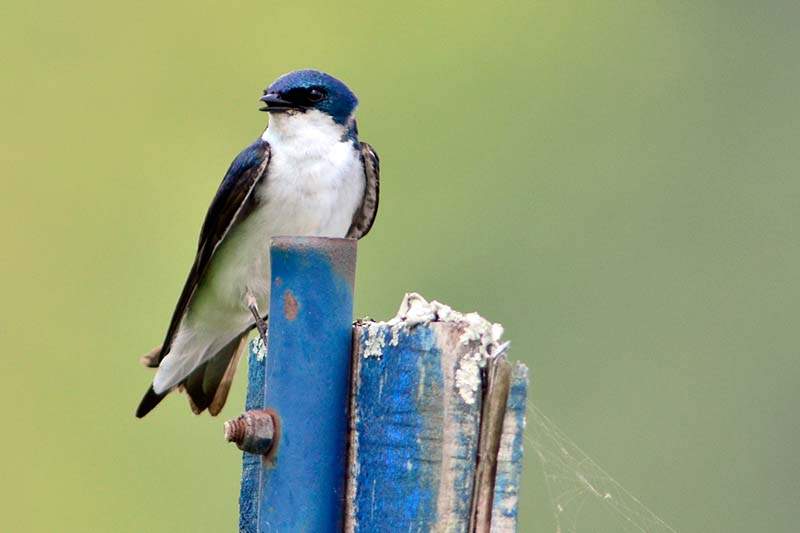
pixel 316 179
pixel 314 183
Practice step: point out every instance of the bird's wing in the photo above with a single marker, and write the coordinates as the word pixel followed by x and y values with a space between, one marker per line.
pixel 232 203
pixel 366 212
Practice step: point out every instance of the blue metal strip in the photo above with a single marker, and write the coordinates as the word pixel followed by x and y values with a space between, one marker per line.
pixel 307 382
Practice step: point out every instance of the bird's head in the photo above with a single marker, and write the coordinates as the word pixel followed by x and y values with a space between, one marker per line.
pixel 304 91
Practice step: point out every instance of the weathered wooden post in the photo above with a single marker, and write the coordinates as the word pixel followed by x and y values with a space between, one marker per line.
pixel 425 431
pixel 430 429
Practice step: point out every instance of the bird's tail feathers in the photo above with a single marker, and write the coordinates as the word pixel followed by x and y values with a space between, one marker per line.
pixel 149 402
pixel 208 385
pixel 189 351
pixel 203 369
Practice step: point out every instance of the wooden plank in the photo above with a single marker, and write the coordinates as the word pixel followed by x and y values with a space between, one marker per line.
pixel 510 455
pixel 497 378
pixel 251 463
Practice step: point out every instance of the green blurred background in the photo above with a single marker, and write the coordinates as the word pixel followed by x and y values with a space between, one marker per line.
pixel 615 182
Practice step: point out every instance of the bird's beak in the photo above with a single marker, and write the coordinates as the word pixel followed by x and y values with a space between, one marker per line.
pixel 275 103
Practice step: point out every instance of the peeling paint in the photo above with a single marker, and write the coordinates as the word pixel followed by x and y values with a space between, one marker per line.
pixel 259 349
pixel 396 329
pixel 468 376
pixel 375 341
pixel 479 335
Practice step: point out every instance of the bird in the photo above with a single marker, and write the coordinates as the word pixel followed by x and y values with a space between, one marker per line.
pixel 306 175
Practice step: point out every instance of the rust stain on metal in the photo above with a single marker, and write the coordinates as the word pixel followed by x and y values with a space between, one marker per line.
pixel 290 305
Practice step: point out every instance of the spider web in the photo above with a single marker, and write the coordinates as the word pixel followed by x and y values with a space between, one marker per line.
pixel 582 494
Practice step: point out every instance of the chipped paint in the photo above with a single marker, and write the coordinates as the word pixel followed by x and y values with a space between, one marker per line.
pixel 468 376
pixel 396 329
pixel 375 340
pixel 480 335
pixel 258 348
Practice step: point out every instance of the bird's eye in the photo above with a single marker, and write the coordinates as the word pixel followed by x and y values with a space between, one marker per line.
pixel 315 95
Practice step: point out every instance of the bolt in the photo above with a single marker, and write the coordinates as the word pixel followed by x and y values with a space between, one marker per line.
pixel 254 431
pixel 234 430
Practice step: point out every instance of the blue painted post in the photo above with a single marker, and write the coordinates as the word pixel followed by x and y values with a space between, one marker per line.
pixel 435 420
pixel 436 412
pixel 305 377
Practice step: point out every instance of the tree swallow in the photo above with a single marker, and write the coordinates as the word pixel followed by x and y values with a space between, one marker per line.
pixel 306 175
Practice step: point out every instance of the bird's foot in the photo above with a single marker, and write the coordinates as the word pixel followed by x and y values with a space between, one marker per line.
pixel 261 326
